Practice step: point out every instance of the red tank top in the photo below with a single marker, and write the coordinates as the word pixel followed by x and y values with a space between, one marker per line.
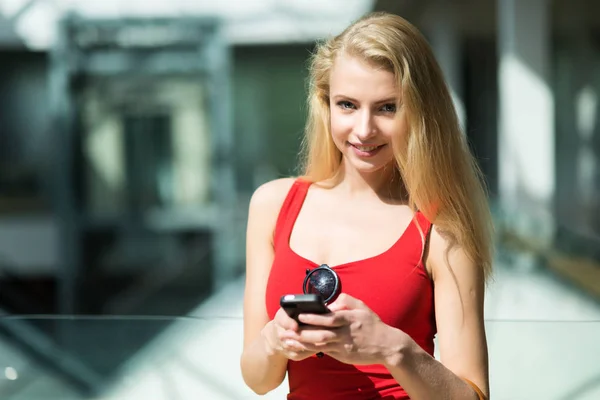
pixel 394 284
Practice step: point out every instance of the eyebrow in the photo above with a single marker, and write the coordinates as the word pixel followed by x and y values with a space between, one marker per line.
pixel 384 101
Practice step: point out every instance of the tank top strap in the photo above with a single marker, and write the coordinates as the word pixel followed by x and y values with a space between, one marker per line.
pixel 425 228
pixel 423 222
pixel 289 210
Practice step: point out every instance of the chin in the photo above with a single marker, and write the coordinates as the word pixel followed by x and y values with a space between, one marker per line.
pixel 366 167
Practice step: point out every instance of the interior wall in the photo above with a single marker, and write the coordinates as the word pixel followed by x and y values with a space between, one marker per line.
pixel 269 108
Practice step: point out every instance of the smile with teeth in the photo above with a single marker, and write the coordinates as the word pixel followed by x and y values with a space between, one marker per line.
pixel 365 148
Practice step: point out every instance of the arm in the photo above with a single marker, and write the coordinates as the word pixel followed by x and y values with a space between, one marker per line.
pixel 461 334
pixel 263 369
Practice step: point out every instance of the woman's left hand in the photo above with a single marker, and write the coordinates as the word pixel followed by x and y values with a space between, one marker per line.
pixel 352 333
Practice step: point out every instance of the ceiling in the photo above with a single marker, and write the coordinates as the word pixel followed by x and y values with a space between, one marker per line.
pixel 33 22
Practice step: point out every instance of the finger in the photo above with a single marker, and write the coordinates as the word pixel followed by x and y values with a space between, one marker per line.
pixel 305 327
pixel 319 336
pixel 312 333
pixel 285 321
pixel 332 348
pixel 333 320
pixel 293 346
pixel 289 335
pixel 299 356
pixel 345 302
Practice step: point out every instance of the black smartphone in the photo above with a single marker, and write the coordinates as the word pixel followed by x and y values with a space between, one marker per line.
pixel 296 304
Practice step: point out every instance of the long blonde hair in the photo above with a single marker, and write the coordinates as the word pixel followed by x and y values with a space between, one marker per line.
pixel 439 173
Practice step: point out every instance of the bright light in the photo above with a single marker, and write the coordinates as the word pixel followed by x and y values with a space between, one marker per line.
pixel 11 374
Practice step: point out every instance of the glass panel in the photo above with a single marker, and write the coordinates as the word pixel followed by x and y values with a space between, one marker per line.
pixel 198 358
pixel 146 144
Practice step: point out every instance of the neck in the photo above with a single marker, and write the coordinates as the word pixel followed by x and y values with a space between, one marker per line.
pixel 385 183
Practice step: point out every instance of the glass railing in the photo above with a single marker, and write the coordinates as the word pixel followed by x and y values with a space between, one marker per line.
pixel 163 358
pixel 547 360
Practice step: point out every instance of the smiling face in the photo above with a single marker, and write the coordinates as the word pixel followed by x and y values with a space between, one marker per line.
pixel 363 103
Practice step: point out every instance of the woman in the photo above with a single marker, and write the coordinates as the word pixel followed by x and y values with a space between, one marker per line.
pixel 392 202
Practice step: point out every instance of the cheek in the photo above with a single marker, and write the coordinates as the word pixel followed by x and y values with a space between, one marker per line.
pixel 388 131
pixel 400 137
pixel 402 127
pixel 340 128
pixel 397 128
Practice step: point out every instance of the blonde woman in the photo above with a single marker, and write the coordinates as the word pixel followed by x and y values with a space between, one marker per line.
pixel 392 213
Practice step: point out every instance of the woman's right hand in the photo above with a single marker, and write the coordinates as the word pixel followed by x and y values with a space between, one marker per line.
pixel 274 331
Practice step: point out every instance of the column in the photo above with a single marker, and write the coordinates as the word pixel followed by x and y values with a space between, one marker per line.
pixel 525 118
pixel 445 38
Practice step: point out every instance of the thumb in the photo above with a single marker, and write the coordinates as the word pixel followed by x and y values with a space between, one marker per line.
pixel 345 302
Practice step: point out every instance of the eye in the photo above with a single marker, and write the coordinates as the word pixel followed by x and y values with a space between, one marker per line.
pixel 345 105
pixel 389 108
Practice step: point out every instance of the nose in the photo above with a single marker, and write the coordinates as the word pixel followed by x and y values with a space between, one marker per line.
pixel 365 125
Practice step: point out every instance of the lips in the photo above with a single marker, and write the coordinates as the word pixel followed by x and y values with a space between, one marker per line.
pixel 363 150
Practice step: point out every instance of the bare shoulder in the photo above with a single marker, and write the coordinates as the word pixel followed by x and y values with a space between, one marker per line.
pixel 267 200
pixel 438 245
pixel 446 258
pixel 270 195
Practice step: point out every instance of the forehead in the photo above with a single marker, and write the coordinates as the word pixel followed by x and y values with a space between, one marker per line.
pixel 353 77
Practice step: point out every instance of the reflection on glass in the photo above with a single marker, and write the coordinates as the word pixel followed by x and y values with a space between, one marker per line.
pixel 146 144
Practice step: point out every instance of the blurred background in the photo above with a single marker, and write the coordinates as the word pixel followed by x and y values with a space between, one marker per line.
pixel 132 135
